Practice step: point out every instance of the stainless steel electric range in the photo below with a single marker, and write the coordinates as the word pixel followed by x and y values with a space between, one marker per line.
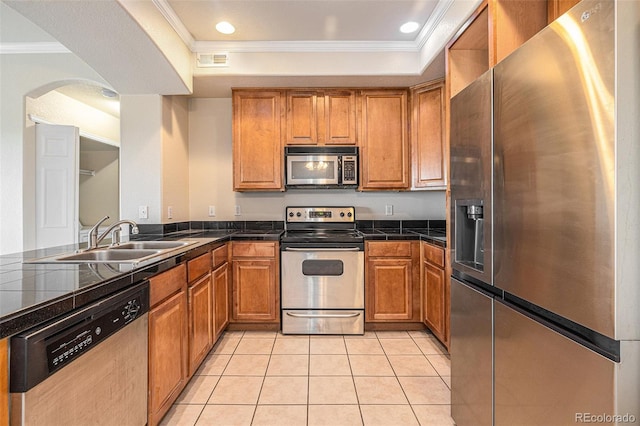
pixel 322 271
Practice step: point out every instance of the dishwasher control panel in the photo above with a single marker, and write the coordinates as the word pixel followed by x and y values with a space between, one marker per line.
pixel 43 350
pixel 63 349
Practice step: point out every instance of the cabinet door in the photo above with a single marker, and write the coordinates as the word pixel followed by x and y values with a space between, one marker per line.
pixel 302 118
pixel 555 8
pixel 340 117
pixel 200 321
pixel 427 138
pixel 255 290
pixel 389 289
pixel 221 279
pixel 434 300
pixel 4 382
pixel 257 144
pixel 167 354
pixel 383 138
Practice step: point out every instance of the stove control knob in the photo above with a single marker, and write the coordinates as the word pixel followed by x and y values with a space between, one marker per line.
pixel 290 214
pixel 349 214
pixel 341 214
pixel 299 214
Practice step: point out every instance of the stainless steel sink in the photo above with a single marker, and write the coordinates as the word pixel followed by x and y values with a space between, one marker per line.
pixel 151 245
pixel 132 252
pixel 109 255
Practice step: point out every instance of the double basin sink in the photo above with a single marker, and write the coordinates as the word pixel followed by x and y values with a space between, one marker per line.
pixel 131 252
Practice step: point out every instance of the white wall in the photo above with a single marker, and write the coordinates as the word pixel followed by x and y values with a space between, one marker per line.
pixel 141 156
pixel 99 194
pixel 20 75
pixel 210 177
pixel 175 159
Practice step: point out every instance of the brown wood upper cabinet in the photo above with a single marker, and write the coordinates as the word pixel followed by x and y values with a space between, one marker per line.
pixel 496 28
pixel 384 141
pixel 317 117
pixel 555 8
pixel 391 281
pixel 258 160
pixel 429 169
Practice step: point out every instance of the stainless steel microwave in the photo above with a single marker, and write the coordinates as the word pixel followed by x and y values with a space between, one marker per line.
pixel 322 167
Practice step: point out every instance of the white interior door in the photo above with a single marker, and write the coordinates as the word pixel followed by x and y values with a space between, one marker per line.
pixel 56 185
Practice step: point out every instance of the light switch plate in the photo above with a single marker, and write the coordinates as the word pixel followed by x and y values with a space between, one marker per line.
pixel 143 212
pixel 238 212
pixel 169 212
pixel 212 211
pixel 388 210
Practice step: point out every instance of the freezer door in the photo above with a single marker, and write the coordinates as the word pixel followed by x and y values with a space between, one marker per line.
pixel 471 162
pixel 554 190
pixel 471 356
pixel 543 378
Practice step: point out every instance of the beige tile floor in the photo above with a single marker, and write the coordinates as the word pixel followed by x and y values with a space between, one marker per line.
pixel 265 378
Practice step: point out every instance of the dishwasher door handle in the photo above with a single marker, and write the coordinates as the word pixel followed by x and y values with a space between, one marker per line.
pixel 352 315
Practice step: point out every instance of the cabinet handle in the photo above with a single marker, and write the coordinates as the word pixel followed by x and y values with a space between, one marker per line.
pixel 356 314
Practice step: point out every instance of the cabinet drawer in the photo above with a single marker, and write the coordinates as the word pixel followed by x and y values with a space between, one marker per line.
pixel 199 266
pixel 433 254
pixel 220 255
pixel 389 249
pixel 167 283
pixel 253 249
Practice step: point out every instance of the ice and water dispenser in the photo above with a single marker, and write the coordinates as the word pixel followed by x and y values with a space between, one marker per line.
pixel 469 233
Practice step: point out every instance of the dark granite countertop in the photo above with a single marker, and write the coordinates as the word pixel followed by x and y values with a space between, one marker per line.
pixel 32 293
pixel 432 236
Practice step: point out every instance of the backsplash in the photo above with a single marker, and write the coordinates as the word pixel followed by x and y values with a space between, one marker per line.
pixel 242 225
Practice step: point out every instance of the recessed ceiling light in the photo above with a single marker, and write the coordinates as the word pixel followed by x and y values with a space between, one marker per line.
pixel 225 28
pixel 409 27
pixel 108 93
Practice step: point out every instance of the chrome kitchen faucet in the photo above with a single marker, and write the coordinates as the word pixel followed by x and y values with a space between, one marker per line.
pixel 94 239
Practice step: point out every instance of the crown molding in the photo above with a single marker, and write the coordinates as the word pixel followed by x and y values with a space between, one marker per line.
pixel 303 46
pixel 432 23
pixel 176 23
pixel 35 47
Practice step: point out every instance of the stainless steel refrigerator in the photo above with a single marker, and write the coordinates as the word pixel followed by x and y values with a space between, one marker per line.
pixel 545 188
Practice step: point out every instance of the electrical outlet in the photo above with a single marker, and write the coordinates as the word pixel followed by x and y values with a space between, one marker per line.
pixel 388 210
pixel 169 212
pixel 212 211
pixel 143 212
pixel 238 212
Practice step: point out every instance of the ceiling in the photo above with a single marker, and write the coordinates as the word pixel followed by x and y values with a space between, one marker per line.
pixel 152 46
pixel 303 20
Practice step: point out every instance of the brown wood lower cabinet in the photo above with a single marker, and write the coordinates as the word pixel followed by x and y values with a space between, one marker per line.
pixel 391 277
pixel 435 292
pixel 221 278
pixel 255 272
pixel 4 382
pixel 168 341
pixel 200 321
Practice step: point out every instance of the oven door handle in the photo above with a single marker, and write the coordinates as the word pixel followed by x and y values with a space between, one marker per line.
pixel 353 315
pixel 322 249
